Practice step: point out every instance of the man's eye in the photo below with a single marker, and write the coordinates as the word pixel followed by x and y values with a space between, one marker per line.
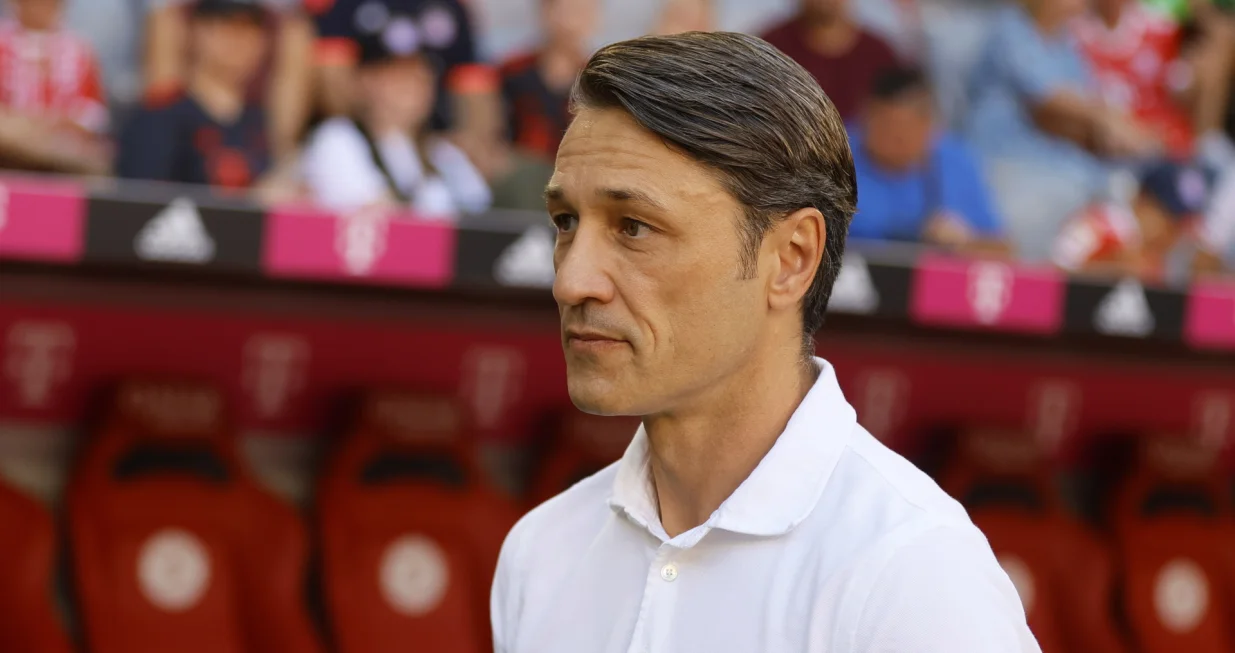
pixel 632 228
pixel 565 222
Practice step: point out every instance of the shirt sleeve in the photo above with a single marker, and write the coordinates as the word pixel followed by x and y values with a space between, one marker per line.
pixel 964 191
pixel 943 592
pixel 467 186
pixel 148 144
pixel 338 168
pixel 504 599
pixel 1027 62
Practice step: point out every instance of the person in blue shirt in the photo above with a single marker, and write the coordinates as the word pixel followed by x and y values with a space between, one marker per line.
pixel 1047 140
pixel 916 183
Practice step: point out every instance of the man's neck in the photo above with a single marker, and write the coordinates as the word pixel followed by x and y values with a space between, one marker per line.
pixel 220 98
pixel 701 453
pixel 831 36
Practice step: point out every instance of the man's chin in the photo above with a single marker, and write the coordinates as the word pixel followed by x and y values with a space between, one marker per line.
pixel 597 395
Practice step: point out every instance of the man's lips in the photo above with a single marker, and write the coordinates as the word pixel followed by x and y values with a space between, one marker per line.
pixel 590 337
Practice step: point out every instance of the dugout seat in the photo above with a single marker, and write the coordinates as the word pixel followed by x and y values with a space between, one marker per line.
pixel 175 546
pixel 1062 572
pixel 410 530
pixel 1170 516
pixel 584 445
pixel 28 620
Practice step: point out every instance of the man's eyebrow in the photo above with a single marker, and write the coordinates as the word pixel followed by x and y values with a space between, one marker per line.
pixel 554 193
pixel 630 195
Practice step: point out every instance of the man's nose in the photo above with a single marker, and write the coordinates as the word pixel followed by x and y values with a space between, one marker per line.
pixel 582 265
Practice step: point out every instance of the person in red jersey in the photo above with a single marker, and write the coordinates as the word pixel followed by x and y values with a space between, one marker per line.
pixel 844 58
pixel 53 115
pixel 1145 68
pixel 1135 240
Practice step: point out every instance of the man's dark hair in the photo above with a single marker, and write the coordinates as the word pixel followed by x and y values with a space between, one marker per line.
pixel 742 108
pixel 899 82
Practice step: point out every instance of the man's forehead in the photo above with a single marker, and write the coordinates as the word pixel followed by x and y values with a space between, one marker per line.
pixel 607 147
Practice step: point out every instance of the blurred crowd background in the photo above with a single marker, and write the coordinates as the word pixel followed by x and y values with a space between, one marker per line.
pixel 1092 134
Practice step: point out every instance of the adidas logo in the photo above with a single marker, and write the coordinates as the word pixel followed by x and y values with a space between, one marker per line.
pixel 527 262
pixel 854 292
pixel 1125 311
pixel 175 235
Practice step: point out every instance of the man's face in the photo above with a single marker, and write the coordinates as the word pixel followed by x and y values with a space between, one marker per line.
pixel 40 15
pixel 899 132
pixel 825 9
pixel 654 306
pixel 233 45
pixel 569 21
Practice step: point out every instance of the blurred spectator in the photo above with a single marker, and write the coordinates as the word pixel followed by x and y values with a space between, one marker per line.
pixel 285 84
pixel 1216 237
pixel 386 153
pixel 114 28
pixel 898 22
pixel 53 113
pixel 1142 70
pixel 843 57
pixel 679 16
pixel 1135 241
pixel 1209 44
pixel 918 184
pixel 443 31
pixel 1039 122
pixel 210 134
pixel 536 86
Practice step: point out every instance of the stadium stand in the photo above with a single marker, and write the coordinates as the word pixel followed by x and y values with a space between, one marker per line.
pixel 1062 571
pixel 410 530
pixel 28 619
pixel 174 545
pixel 1169 516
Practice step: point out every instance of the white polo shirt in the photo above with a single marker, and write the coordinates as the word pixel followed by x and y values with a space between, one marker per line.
pixel 833 544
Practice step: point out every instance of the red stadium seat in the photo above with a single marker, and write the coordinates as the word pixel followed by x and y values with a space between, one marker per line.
pixel 585 445
pixel 410 531
pixel 1170 516
pixel 175 546
pixel 1062 572
pixel 28 620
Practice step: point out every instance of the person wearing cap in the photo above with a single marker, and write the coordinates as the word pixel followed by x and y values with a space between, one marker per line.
pixel 446 33
pixel 53 111
pixel 385 152
pixel 1135 240
pixel 211 133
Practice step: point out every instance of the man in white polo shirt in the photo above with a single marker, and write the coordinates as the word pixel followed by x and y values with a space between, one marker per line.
pixel 701 196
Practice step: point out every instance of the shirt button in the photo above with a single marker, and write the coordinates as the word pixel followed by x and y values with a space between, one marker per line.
pixel 669 572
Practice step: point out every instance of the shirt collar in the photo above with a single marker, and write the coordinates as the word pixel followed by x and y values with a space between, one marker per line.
pixel 785 486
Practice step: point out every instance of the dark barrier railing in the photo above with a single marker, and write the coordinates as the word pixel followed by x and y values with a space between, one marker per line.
pixel 66 222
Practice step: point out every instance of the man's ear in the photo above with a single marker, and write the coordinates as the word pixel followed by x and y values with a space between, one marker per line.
pixel 795 245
